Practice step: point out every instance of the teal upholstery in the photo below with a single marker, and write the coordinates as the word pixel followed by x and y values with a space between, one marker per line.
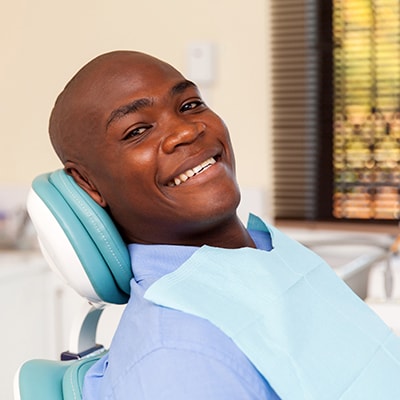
pixel 41 379
pixel 92 233
pixel 53 380
pixel 74 376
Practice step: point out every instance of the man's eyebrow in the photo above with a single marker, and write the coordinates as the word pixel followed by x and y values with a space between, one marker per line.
pixel 132 107
pixel 138 104
pixel 181 87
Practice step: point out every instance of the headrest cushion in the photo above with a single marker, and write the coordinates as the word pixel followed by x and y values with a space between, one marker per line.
pixel 99 249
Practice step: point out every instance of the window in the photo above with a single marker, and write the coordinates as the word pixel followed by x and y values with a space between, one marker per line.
pixel 336 108
pixel 366 109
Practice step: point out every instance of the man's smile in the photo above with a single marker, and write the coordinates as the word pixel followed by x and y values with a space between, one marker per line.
pixel 198 169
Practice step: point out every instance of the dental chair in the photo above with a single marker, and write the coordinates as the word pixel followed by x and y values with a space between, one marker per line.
pixel 80 242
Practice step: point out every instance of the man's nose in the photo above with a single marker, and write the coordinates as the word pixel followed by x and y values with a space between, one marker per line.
pixel 182 133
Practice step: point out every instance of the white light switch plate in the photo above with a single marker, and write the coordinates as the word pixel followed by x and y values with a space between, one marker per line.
pixel 201 62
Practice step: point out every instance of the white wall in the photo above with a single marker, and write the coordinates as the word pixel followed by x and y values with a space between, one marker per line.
pixel 44 42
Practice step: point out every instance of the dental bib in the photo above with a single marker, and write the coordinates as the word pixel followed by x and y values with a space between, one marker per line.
pixel 300 325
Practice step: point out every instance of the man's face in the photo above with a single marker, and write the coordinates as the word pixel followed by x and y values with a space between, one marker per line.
pixel 161 159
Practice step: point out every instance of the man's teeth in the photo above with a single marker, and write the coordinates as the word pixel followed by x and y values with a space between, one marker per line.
pixel 183 177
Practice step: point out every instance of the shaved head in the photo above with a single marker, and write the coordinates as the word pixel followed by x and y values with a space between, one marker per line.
pixel 75 118
pixel 139 139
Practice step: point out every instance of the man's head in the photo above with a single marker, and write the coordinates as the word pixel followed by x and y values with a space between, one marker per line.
pixel 136 135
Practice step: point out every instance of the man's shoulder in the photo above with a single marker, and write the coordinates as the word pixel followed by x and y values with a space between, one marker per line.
pixel 153 342
pixel 152 328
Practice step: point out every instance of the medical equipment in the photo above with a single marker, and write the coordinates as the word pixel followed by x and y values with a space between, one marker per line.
pixel 81 243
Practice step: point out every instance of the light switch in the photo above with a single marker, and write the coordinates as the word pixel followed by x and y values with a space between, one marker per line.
pixel 201 62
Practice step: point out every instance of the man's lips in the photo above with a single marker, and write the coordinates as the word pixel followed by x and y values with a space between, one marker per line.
pixel 198 169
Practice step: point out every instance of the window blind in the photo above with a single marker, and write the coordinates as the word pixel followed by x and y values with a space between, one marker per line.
pixel 295 106
pixel 367 109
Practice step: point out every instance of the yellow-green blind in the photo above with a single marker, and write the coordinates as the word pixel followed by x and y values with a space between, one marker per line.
pixel 366 152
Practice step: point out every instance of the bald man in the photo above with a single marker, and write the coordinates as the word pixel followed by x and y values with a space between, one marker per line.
pixel 138 138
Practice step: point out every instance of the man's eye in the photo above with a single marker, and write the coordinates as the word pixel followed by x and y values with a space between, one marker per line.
pixel 191 105
pixel 136 132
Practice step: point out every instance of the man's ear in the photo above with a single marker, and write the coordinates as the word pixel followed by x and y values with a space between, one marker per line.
pixel 82 179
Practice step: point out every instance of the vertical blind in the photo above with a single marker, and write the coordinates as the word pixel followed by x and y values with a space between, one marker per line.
pixel 295 107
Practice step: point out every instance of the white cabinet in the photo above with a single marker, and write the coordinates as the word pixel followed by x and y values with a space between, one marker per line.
pixel 37 314
pixel 24 330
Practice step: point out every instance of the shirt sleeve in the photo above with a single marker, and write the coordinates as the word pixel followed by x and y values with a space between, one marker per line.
pixel 177 374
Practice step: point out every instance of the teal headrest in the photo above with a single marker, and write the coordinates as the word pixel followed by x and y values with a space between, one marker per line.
pixel 86 228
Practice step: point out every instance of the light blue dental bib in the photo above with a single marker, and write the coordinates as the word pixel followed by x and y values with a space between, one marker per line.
pixel 305 331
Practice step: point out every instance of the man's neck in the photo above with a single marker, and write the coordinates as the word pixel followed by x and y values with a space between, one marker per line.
pixel 230 235
pixel 226 233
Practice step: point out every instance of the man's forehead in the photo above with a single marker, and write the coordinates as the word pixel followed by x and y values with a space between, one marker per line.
pixel 125 64
pixel 89 97
pixel 119 73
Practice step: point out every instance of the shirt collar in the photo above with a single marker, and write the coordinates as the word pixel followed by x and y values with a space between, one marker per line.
pixel 152 261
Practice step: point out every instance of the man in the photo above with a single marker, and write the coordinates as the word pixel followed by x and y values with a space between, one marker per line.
pixel 216 311
pixel 137 136
pixel 128 122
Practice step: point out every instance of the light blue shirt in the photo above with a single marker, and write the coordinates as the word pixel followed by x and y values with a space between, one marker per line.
pixel 159 353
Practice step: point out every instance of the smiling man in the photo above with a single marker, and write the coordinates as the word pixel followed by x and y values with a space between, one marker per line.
pixel 137 136
pixel 217 311
pixel 139 139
